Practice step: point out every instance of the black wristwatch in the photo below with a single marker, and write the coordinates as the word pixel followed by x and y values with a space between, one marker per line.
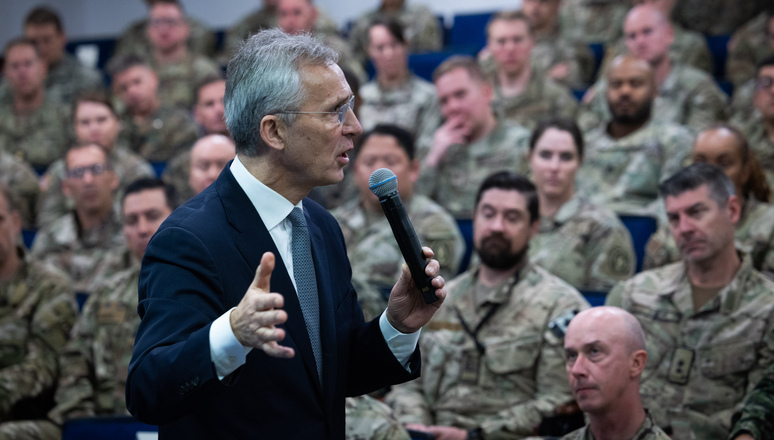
pixel 475 434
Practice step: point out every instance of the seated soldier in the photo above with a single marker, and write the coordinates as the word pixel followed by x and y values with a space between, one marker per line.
pixel 155 131
pixel 471 144
pixel 94 120
pixel 685 95
pixel 716 17
pixel 754 421
pixel 593 21
pixel 627 156
pixel 78 240
pixel 709 319
pixel 32 127
pixel 749 45
pixel 492 367
pixel 22 181
pixel 206 160
pixel 371 246
pixel 581 242
pixel 725 147
pixel 523 94
pixel 604 367
pixel 38 309
pixel 423 32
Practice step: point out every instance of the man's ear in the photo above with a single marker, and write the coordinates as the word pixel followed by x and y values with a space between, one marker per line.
pixel 273 132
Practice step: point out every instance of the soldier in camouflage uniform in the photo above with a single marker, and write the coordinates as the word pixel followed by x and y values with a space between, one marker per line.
pixel 604 367
pixel 134 40
pixel 724 146
pixel 66 77
pixel 523 94
pixel 263 18
pixel 23 182
pixel 37 310
pixel 755 419
pixel 750 45
pixel 709 319
pixel 491 363
pixel 580 242
pixel 627 157
pixel 423 32
pixel 471 144
pixel 32 127
pixel 593 21
pixel 155 131
pixel 686 95
pixel 94 120
pixel 396 96
pixel 371 246
pixel 716 17
pixel 77 241
pixel 369 419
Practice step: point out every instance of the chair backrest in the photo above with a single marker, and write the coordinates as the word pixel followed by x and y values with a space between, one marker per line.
pixel 640 228
pixel 469 32
pixel 113 428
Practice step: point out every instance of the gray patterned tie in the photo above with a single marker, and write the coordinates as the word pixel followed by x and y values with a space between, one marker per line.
pixel 306 282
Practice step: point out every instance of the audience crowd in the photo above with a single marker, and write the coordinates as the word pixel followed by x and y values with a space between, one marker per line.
pixel 520 163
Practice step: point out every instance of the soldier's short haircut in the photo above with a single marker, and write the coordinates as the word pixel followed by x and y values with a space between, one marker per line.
pixel 693 176
pixel 562 124
pixel 149 183
pixel 10 199
pixel 207 80
pixel 264 78
pixel 517 15
pixel 87 144
pixel 509 180
pixel 766 62
pixel 20 41
pixel 466 62
pixel 403 137
pixel 121 64
pixel 42 15
pixel 92 96
pixel 393 27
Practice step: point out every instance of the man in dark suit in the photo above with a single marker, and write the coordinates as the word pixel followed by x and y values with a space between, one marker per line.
pixel 225 350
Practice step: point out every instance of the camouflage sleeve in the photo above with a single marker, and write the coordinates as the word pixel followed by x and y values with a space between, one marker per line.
pixel 138 168
pixel 52 204
pixel 181 134
pixel 611 255
pixel 565 104
pixel 757 416
pixel 699 57
pixel 677 152
pixel 23 181
pixel 740 65
pixel 358 39
pixel 660 250
pixel 707 105
pixel 48 330
pixel 593 109
pixel 552 391
pixel 408 399
pixel 429 37
pixel 369 419
pixel 30 430
pixel 615 296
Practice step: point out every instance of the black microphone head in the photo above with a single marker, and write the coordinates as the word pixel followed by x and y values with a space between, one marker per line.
pixel 383 182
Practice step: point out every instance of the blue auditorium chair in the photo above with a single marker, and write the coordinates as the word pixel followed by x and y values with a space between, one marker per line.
pixel 640 228
pixel 113 428
pixel 468 33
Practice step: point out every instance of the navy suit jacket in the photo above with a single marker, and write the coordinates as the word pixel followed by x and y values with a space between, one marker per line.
pixel 198 266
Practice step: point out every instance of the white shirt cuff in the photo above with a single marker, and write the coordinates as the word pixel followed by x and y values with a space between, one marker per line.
pixel 225 350
pixel 401 345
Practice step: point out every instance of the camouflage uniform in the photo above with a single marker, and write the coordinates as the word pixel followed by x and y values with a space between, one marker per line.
pixel 716 17
pixel 748 46
pixel 77 252
pixel 178 81
pixel 555 48
pixel 423 32
pixel 688 96
pixel 701 363
pixel 39 138
pixel 413 106
pixel 584 244
pixel 333 196
pixel 454 182
pixel 369 419
pixel 23 183
pixel 96 360
pixel 755 417
pixel 170 131
pixel 754 236
pixel 53 204
pixel 346 59
pixel 134 40
pixel 115 260
pixel 624 174
pixel 760 143
pixel 593 21
pixel 372 248
pixel 258 20
pixel 69 78
pixel 513 378
pixel 177 172
pixel 37 310
pixel 648 431
pixel 742 107
pixel 542 97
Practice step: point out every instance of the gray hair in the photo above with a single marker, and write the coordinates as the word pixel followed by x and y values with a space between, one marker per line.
pixel 693 176
pixel 264 78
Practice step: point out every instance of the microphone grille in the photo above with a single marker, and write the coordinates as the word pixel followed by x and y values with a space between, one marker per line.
pixel 383 182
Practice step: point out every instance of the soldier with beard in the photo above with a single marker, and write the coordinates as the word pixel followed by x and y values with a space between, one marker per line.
pixel 492 366
pixel 627 156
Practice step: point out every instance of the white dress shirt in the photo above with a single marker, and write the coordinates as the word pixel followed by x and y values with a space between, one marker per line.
pixel 225 350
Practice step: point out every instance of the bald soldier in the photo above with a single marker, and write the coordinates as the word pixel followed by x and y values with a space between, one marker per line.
pixel 604 366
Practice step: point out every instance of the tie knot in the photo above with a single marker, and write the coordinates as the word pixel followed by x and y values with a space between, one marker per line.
pixel 297 219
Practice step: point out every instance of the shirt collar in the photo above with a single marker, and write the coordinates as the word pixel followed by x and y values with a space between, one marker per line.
pixel 272 207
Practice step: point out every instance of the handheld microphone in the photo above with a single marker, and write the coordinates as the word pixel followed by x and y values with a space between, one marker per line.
pixel 384 184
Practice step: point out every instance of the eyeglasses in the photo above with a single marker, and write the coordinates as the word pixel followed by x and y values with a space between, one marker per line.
pixel 764 82
pixel 159 22
pixel 342 111
pixel 95 170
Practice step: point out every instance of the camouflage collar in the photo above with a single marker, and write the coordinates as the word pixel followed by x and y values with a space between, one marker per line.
pixel 502 293
pixel 569 210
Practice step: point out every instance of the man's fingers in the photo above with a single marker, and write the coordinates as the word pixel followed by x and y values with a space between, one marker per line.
pixel 262 278
pixel 274 349
pixel 427 252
